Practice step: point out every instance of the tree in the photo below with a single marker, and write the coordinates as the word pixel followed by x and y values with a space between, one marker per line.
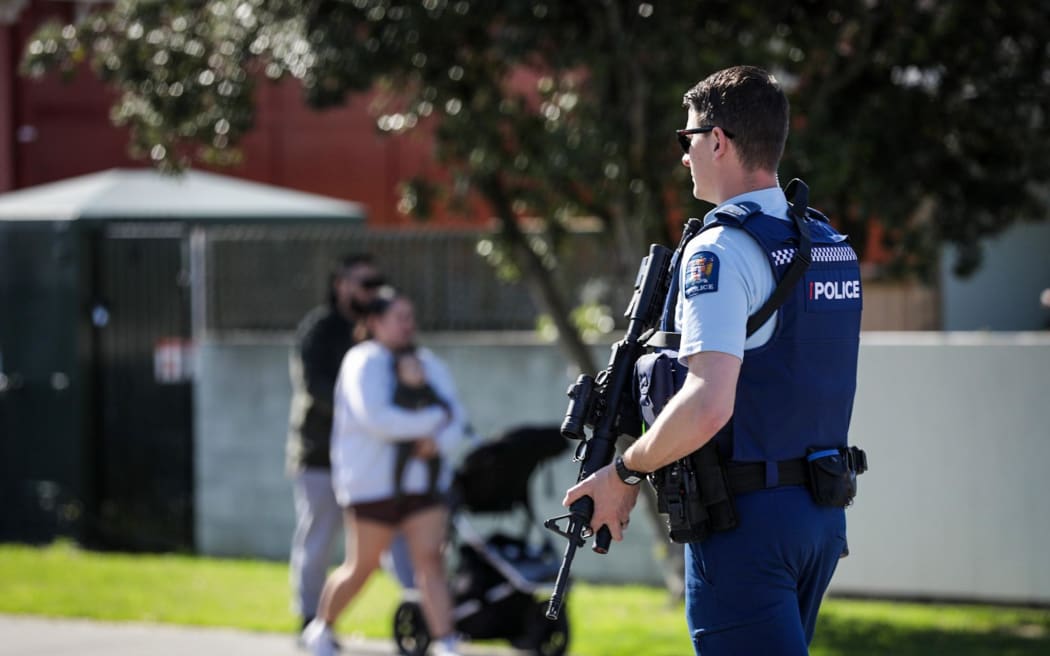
pixel 929 116
pixel 899 113
pixel 186 73
pixel 962 163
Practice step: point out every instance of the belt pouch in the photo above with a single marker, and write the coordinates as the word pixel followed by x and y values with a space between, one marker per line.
pixel 831 480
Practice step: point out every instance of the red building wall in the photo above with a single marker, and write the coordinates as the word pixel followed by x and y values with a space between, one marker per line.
pixel 54 129
pixel 7 125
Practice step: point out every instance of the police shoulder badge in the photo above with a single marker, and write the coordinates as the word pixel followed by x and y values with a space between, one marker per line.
pixel 701 274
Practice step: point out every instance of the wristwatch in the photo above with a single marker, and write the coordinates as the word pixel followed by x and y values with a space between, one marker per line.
pixel 628 476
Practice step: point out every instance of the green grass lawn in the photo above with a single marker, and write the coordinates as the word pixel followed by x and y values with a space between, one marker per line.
pixel 63 581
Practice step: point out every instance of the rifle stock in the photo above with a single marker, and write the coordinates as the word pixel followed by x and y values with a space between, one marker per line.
pixel 599 403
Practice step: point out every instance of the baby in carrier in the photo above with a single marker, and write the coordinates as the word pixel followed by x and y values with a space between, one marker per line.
pixel 412 392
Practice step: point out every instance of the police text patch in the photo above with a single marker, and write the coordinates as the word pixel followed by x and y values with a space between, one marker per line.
pixel 701 274
pixel 832 291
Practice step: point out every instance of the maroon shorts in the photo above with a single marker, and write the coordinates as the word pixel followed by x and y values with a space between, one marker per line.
pixel 393 511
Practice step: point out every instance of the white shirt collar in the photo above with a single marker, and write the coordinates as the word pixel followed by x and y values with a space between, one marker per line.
pixel 771 200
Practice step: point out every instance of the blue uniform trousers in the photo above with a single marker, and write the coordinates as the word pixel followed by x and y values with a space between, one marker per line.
pixel 757 588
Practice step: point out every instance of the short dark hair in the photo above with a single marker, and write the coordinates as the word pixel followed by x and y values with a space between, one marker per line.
pixel 353 259
pixel 748 102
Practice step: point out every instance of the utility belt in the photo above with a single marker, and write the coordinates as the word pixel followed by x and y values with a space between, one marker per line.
pixel 696 493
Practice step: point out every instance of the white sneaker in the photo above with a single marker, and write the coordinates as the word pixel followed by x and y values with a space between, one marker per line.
pixel 446 647
pixel 319 639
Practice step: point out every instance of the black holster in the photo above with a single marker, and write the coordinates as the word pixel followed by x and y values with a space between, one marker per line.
pixel 695 496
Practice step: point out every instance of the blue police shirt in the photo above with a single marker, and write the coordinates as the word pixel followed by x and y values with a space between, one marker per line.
pixel 725 278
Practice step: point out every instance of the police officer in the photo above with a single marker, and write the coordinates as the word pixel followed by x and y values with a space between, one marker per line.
pixel 768 399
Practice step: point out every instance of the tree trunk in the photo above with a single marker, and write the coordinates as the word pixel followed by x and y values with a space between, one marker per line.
pixel 538 279
pixel 543 290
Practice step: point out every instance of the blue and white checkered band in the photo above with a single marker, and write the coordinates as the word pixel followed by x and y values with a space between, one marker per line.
pixel 784 256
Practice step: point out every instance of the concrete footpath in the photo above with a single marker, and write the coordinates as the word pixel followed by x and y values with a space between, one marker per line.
pixel 36 636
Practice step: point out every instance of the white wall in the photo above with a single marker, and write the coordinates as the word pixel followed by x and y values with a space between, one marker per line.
pixel 957 428
pixel 243 501
pixel 243 498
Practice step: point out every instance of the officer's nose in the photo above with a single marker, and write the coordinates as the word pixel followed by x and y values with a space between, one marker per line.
pixel 685 160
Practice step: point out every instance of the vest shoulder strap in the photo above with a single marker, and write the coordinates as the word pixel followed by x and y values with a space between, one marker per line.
pixel 798 197
pixel 797 193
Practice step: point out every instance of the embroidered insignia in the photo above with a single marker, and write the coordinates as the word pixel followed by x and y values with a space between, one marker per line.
pixel 701 274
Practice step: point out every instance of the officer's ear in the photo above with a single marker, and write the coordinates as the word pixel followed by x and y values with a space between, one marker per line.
pixel 719 141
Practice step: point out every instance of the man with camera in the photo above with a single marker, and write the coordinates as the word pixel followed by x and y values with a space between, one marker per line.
pixel 766 374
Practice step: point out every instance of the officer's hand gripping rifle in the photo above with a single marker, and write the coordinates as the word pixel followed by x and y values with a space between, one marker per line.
pixel 603 403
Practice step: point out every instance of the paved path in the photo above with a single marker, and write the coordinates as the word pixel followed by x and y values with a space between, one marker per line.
pixel 35 636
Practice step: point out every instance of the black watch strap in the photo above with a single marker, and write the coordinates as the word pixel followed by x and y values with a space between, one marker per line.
pixel 628 476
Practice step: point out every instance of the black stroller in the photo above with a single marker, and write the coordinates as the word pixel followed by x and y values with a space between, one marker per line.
pixel 500 584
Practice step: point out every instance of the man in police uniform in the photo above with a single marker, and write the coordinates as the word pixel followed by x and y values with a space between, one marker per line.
pixel 768 399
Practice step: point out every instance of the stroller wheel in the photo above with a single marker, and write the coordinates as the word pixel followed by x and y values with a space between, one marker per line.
pixel 410 629
pixel 549 637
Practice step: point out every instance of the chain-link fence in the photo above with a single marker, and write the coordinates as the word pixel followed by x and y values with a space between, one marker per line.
pixel 265 278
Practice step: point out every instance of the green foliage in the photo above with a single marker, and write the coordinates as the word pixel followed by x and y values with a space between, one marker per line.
pixel 594 321
pixel 928 116
pixel 180 67
pixel 606 620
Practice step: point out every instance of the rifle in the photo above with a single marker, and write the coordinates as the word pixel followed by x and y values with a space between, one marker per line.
pixel 604 404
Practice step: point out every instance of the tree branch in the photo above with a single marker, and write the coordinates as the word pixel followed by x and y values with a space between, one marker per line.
pixel 538 279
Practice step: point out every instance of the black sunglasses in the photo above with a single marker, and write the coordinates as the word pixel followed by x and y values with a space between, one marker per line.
pixel 686 143
pixel 373 282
